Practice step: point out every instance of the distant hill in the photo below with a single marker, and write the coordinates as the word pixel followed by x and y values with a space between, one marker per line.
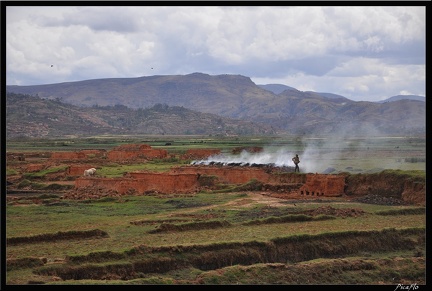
pixel 404 97
pixel 310 114
pixel 237 97
pixel 224 95
pixel 29 116
pixel 279 88
pixel 276 88
pixel 330 95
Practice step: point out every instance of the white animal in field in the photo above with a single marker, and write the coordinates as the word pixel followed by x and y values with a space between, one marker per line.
pixel 89 172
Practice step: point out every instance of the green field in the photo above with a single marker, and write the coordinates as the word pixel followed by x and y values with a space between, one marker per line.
pixel 220 237
pixel 354 155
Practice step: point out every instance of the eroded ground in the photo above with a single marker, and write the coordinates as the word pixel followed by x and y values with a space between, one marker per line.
pixel 345 256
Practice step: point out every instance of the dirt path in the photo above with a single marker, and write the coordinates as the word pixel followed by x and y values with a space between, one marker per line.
pixel 257 198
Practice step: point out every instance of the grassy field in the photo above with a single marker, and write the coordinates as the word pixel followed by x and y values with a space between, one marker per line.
pixel 132 221
pixel 353 155
pixel 226 237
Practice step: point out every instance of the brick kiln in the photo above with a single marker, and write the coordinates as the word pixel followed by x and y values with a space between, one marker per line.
pixel 136 151
pixel 144 182
pixel 186 179
pixel 121 153
pixel 323 185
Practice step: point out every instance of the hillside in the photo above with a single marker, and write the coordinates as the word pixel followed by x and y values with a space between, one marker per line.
pixel 276 88
pixel 222 94
pixel 237 97
pixel 279 88
pixel 309 113
pixel 29 116
pixel 403 97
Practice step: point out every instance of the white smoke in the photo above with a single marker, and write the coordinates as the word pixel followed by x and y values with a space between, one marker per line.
pixel 350 150
pixel 279 158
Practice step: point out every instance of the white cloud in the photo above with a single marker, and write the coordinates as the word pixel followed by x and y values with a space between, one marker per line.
pixel 366 52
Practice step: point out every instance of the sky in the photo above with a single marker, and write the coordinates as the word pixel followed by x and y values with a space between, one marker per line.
pixel 364 53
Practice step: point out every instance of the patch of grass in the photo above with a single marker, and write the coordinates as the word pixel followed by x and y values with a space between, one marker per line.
pixel 28 262
pixel 355 269
pixel 42 186
pixel 289 218
pixel 10 172
pixel 48 196
pixel 24 183
pixel 124 236
pixel 38 186
pixel 414 175
pixel 252 185
pixel 43 173
pixel 191 226
pixel 116 170
pixel 57 236
pixel 406 211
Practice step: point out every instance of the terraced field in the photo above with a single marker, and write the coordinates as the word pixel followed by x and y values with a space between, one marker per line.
pixel 215 236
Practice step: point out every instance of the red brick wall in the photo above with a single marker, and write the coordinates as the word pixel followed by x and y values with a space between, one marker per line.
pixel 323 185
pixel 143 182
pixel 136 151
pixel 414 192
pixel 196 154
pixel 81 155
pixel 233 175
pixel 185 179
pixel 155 153
pixel 115 155
pixel 68 156
pixel 287 178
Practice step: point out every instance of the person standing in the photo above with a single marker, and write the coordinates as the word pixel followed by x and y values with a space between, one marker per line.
pixel 296 161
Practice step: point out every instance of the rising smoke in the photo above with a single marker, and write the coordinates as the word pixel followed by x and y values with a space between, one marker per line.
pixel 317 154
pixel 280 158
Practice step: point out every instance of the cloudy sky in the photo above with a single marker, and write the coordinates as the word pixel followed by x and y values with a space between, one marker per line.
pixel 365 53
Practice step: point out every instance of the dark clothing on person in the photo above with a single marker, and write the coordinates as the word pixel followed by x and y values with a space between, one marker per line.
pixel 296 161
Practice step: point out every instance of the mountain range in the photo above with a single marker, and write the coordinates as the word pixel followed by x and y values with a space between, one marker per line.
pixel 31 116
pixel 272 108
pixel 279 88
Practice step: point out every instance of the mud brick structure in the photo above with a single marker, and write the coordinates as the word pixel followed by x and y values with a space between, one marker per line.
pixel 136 151
pixel 411 192
pixel 190 179
pixel 323 185
pixel 78 155
pixel 196 154
pixel 68 156
pixel 409 189
pixel 286 178
pixel 121 153
pixel 229 175
pixel 241 175
pixel 142 183
pixel 167 182
pixel 186 179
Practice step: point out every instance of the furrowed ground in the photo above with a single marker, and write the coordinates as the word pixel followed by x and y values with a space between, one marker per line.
pixel 251 232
